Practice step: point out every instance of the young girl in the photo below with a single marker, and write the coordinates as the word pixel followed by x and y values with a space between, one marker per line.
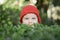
pixel 29 15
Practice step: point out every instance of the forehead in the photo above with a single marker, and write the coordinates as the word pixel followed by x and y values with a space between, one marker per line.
pixel 30 15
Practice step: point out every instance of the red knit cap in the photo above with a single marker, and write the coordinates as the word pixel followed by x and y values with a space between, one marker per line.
pixel 29 9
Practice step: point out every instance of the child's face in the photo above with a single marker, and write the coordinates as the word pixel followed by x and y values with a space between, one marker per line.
pixel 30 19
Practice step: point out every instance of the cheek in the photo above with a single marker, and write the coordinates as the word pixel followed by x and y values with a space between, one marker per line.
pixel 24 21
pixel 35 21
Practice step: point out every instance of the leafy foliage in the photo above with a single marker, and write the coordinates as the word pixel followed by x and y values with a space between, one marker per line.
pixel 8 15
pixel 25 32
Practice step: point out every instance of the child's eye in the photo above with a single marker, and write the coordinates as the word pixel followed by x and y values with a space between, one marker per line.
pixel 26 18
pixel 33 18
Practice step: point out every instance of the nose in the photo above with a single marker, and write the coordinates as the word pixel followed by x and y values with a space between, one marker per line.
pixel 30 21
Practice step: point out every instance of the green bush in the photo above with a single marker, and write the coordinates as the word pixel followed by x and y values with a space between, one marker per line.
pixel 9 15
pixel 25 32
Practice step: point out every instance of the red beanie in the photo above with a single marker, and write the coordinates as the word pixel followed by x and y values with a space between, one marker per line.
pixel 30 9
